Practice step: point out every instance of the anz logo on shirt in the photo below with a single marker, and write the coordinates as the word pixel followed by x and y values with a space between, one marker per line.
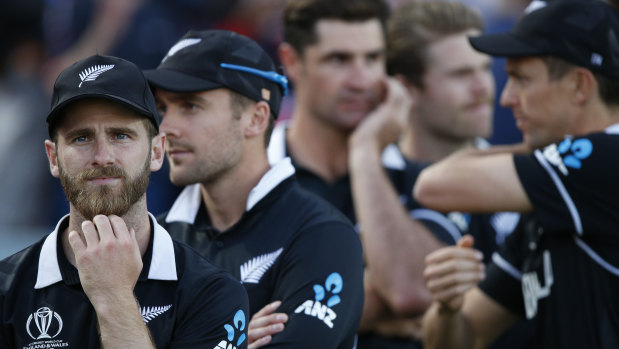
pixel 238 325
pixel 568 153
pixel 315 308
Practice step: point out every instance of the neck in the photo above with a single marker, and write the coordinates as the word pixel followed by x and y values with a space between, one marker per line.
pixel 422 145
pixel 226 197
pixel 136 218
pixel 318 146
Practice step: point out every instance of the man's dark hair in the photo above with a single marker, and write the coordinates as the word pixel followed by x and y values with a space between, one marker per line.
pixel 414 26
pixel 301 16
pixel 608 88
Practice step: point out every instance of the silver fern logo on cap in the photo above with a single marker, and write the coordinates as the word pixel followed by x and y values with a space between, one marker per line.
pixel 92 73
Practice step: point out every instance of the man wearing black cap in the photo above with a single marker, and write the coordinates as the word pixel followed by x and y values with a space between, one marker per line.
pixel 561 268
pixel 219 93
pixel 109 276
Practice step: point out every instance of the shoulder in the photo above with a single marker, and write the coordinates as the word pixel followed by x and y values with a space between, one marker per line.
pixel 191 265
pixel 19 266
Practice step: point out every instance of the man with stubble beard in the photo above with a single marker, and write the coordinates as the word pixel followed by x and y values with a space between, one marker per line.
pixel 109 276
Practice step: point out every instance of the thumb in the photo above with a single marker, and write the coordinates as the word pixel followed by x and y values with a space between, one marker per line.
pixel 466 241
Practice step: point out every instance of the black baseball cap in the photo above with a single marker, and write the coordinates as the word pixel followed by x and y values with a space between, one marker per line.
pixel 103 77
pixel 585 33
pixel 211 59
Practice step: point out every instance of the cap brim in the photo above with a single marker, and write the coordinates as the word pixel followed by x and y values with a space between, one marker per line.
pixel 503 45
pixel 52 116
pixel 174 81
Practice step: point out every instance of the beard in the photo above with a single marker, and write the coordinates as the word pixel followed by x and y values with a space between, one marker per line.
pixel 90 201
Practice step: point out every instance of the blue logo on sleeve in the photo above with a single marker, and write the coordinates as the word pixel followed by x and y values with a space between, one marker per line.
pixel 580 150
pixel 238 324
pixel 315 308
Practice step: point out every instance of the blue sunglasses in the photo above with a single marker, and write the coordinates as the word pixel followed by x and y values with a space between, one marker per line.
pixel 269 75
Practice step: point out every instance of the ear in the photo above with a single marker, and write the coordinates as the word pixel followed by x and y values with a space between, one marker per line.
pixel 259 120
pixel 291 60
pixel 157 152
pixel 583 84
pixel 52 157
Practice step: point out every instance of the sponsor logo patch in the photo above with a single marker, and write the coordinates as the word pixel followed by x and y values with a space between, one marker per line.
pixel 315 308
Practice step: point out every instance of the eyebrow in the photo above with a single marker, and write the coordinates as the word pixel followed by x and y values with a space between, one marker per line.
pixel 186 97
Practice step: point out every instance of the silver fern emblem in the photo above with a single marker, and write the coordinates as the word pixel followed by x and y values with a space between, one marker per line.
pixel 253 269
pixel 150 313
pixel 90 74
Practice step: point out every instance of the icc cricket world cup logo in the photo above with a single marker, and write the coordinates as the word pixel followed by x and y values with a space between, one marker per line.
pixel 45 321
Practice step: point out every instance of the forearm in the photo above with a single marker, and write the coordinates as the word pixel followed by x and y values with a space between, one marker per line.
pixel 445 329
pixel 121 324
pixel 394 244
pixel 473 181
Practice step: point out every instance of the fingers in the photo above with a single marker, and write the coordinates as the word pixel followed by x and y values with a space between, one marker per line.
pixel 466 241
pixel 267 309
pixel 77 244
pixel 452 271
pixel 264 324
pixel 260 342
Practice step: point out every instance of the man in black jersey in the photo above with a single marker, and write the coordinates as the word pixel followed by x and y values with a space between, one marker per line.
pixel 109 276
pixel 334 53
pixel 560 269
pixel 219 94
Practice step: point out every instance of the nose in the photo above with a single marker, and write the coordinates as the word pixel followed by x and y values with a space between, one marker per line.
pixel 508 95
pixel 169 125
pixel 483 84
pixel 362 75
pixel 104 154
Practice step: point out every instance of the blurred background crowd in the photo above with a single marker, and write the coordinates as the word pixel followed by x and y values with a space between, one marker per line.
pixel 39 38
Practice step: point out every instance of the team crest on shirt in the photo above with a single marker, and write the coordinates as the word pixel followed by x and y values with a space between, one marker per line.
pixel 315 308
pixel 44 326
pixel 568 154
pixel 235 332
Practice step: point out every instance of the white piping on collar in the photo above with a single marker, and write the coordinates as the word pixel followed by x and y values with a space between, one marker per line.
pixel 48 272
pixel 391 157
pixel 274 176
pixel 162 265
pixel 185 208
pixel 613 129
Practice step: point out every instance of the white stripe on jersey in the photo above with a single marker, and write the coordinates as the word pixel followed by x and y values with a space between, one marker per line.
pixel 596 257
pixel 506 266
pixel 561 188
pixel 438 218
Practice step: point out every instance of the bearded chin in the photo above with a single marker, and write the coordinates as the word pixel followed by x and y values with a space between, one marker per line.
pixel 90 201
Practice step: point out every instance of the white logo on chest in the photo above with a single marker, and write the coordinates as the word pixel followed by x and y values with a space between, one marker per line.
pixel 149 313
pixel 253 270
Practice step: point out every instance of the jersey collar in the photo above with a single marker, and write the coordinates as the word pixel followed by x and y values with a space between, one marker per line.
pixel 186 206
pixel 162 264
pixel 392 158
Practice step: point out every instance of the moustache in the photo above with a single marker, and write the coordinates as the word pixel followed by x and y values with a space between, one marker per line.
pixel 109 171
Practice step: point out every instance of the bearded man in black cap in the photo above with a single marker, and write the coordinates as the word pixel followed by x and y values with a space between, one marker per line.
pixel 560 269
pixel 219 93
pixel 109 276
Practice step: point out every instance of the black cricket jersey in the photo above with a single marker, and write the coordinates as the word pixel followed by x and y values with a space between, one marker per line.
pixel 489 230
pixel 185 301
pixel 289 245
pixel 561 267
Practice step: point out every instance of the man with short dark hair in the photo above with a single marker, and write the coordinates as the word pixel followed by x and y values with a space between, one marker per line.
pixel 109 276
pixel 219 93
pixel 561 268
pixel 334 53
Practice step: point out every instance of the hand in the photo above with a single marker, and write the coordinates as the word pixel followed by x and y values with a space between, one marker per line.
pixel 453 270
pixel 385 123
pixel 107 258
pixel 264 324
